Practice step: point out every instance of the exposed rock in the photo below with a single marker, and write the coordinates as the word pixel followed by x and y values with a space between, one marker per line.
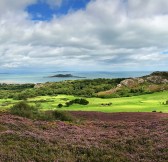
pixel 129 82
pixel 165 81
pixel 140 80
pixel 119 85
pixel 157 79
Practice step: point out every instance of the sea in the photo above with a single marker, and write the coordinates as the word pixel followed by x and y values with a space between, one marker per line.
pixel 42 77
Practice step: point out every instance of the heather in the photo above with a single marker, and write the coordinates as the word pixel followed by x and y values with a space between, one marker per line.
pixel 101 137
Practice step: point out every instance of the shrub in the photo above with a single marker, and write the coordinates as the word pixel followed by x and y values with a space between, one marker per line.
pixel 62 115
pixel 24 110
pixel 57 115
pixel 80 101
pixel 106 104
pixel 60 106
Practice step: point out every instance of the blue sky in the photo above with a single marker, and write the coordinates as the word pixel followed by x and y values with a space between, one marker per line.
pixel 44 12
pixel 100 35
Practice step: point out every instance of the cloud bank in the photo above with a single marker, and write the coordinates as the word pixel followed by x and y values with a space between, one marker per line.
pixel 106 35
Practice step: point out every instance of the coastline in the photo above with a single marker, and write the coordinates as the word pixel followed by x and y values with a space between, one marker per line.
pixel 12 82
pixel 34 78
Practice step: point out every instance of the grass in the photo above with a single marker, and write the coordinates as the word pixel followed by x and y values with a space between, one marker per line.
pixel 6 103
pixel 142 103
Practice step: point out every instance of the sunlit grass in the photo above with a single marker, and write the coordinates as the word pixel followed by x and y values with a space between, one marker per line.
pixel 142 103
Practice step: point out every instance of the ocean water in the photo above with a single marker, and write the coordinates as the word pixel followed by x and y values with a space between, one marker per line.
pixel 42 77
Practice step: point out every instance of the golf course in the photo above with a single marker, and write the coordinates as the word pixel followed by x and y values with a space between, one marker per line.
pixel 143 103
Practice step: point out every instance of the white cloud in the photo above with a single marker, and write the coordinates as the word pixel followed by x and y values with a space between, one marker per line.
pixel 147 7
pixel 14 5
pixel 108 34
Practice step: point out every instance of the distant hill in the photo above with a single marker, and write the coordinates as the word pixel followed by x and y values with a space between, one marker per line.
pixel 156 81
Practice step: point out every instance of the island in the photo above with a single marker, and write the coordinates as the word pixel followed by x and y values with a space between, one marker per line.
pixel 65 76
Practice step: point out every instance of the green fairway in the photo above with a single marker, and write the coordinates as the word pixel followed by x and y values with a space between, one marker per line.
pixel 143 103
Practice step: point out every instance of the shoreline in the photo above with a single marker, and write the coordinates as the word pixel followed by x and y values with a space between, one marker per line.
pixel 35 79
pixel 18 83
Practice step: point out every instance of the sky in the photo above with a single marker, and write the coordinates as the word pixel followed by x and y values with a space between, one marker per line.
pixel 84 35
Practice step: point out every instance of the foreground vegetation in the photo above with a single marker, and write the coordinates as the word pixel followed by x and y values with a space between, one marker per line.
pixel 123 138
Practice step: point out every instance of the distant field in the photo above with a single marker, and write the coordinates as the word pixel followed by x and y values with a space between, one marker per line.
pixel 143 103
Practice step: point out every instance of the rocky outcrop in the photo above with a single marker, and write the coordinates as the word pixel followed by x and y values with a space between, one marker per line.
pixel 158 77
pixel 129 82
pixel 155 82
pixel 163 74
pixel 155 78
pixel 140 80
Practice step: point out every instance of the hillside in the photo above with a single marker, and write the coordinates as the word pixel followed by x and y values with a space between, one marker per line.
pixel 118 137
pixel 155 82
